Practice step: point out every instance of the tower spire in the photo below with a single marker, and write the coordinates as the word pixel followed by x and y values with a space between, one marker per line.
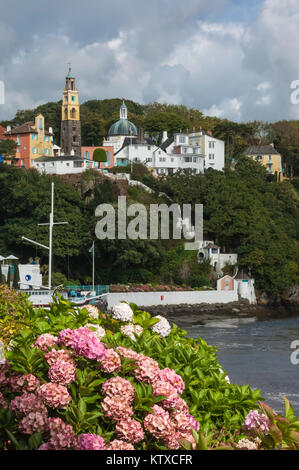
pixel 70 140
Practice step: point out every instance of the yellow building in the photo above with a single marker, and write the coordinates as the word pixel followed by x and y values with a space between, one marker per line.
pixel 33 141
pixel 268 156
pixel 70 136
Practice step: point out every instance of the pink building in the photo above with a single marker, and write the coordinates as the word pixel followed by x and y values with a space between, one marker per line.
pixel 87 152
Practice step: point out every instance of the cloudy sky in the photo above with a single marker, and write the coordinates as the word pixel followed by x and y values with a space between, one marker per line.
pixel 229 58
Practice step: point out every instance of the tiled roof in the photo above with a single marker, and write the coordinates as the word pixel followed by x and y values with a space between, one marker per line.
pixel 261 150
pixel 167 142
pixel 26 128
pixel 63 158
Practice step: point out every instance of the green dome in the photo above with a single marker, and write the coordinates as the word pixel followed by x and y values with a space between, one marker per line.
pixel 123 127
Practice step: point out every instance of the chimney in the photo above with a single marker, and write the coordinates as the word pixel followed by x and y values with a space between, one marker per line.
pixel 51 130
pixel 140 134
pixel 72 152
pixel 164 137
pixel 272 145
pixel 8 128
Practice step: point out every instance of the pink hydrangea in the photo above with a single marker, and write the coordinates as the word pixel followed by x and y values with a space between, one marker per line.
pixel 65 338
pixel 34 422
pixel 62 435
pixel 173 441
pixel 90 442
pixel 256 421
pixel 26 403
pixel 246 444
pixel 182 422
pixel 129 430
pixel 46 446
pixel 59 355
pixel 127 352
pixel 170 376
pixel 3 379
pixel 147 369
pixel 181 406
pixel 167 390
pixel 112 362
pixel 159 411
pixel 116 408
pixel 3 403
pixel 119 445
pixel 4 365
pixel 62 372
pixel 118 387
pixel 85 343
pixel 54 395
pixel 25 382
pixel 45 342
pixel 159 425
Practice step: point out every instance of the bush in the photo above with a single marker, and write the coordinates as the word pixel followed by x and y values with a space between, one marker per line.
pixel 123 381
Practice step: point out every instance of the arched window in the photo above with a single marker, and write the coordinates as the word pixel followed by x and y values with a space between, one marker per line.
pixel 73 113
pixel 65 113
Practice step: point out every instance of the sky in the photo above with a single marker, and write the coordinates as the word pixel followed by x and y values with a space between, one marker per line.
pixel 232 59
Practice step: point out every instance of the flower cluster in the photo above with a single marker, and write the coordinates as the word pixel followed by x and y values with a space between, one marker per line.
pixel 84 342
pixel 122 312
pixel 256 421
pixel 27 403
pixel 131 330
pixel 162 327
pixel 92 310
pixel 90 442
pixel 246 444
pixel 97 329
pixel 35 421
pixel 54 395
pixel 25 382
pixel 112 362
pixel 62 372
pixel 45 342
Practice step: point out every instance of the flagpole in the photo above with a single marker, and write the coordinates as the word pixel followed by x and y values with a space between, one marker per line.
pixel 93 266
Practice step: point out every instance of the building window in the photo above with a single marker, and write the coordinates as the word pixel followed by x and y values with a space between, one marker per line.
pixel 40 123
pixel 182 139
pixel 73 113
pixel 148 147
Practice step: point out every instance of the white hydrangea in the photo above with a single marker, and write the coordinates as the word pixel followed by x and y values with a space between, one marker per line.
pixel 92 310
pixel 247 444
pixel 97 330
pixel 226 378
pixel 130 329
pixel 122 312
pixel 162 327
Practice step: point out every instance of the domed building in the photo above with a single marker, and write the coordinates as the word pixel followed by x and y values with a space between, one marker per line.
pixel 128 142
pixel 123 127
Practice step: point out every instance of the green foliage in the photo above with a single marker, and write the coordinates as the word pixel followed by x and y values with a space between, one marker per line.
pixel 99 155
pixel 8 148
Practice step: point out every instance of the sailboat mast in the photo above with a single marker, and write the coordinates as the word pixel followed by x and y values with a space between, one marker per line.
pixel 51 223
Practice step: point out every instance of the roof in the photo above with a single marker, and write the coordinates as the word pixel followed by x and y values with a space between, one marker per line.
pixel 26 128
pixel 167 143
pixel 134 141
pixel 70 74
pixel 242 275
pixel 211 245
pixel 123 127
pixel 261 150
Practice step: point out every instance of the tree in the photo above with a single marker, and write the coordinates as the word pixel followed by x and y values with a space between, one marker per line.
pixel 8 148
pixel 99 155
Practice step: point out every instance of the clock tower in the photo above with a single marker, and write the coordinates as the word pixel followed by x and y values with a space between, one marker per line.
pixel 70 137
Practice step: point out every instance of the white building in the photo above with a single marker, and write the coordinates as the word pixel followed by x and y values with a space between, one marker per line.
pixel 209 251
pixel 177 153
pixel 63 165
pixel 213 149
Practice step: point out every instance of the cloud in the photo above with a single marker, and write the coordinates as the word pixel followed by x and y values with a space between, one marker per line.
pixel 196 53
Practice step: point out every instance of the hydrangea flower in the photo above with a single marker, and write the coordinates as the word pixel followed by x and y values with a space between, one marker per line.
pixel 119 445
pixel 92 310
pixel 62 372
pixel 62 435
pixel 112 362
pixel 122 312
pixel 59 355
pixel 127 352
pixel 97 329
pixel 85 343
pixel 129 430
pixel 246 444
pixel 25 382
pixel 131 330
pixel 162 327
pixel 26 403
pixel 147 369
pixel 3 403
pixel 35 421
pixel 118 387
pixel 116 408
pixel 54 395
pixel 159 425
pixel 164 388
pixel 170 376
pixel 257 422
pixel 90 442
pixel 45 342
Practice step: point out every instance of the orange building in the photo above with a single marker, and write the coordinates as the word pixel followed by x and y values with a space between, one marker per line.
pixel 87 152
pixel 33 141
